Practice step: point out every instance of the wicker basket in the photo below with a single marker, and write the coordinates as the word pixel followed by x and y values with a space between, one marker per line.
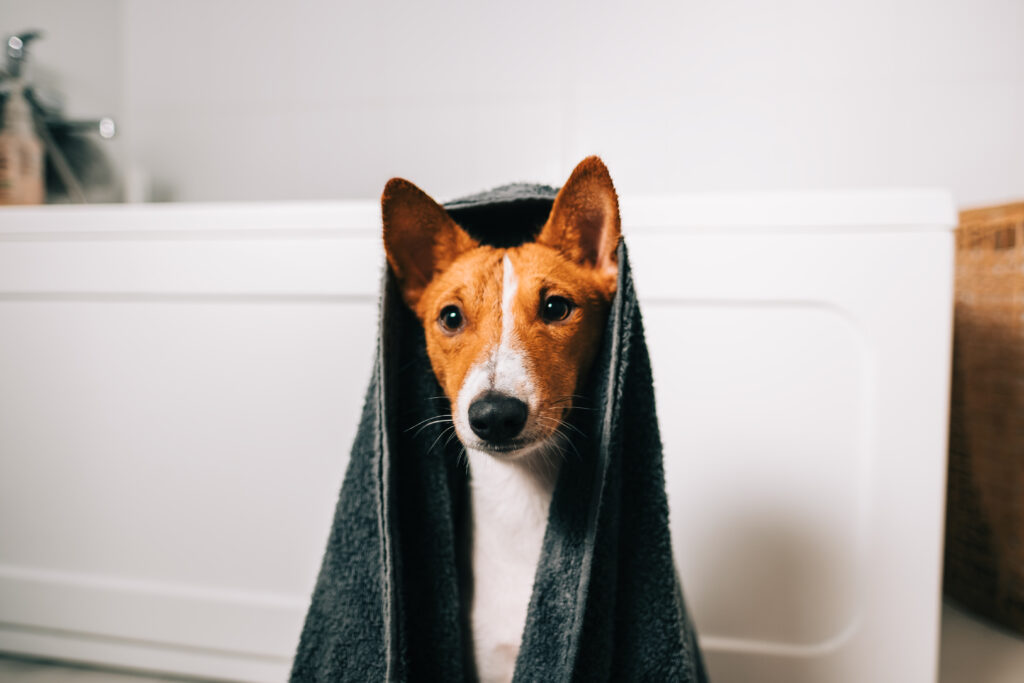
pixel 985 508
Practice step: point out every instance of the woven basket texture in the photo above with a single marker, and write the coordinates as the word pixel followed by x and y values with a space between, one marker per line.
pixel 984 563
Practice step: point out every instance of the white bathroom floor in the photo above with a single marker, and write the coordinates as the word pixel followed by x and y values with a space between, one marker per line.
pixel 972 652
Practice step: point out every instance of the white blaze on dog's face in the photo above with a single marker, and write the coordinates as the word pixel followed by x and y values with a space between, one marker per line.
pixel 511 333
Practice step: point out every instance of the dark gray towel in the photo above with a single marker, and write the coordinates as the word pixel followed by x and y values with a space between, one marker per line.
pixel 606 603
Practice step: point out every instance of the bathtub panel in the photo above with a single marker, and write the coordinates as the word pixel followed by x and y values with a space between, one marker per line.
pixel 154 445
pixel 124 422
pixel 826 564
pixel 761 409
pixel 180 385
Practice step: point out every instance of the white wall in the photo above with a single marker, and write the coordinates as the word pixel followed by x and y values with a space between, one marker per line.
pixel 222 99
pixel 316 99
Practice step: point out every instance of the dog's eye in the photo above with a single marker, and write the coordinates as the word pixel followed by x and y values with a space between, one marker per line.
pixel 555 308
pixel 450 319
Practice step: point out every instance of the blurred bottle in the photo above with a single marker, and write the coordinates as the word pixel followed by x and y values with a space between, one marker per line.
pixel 21 150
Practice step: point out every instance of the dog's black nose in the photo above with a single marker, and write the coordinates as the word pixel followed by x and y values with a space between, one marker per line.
pixel 497 417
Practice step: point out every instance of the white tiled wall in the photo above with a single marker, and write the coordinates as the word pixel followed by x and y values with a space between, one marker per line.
pixel 267 99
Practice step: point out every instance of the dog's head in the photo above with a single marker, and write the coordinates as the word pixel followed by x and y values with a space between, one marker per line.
pixel 511 333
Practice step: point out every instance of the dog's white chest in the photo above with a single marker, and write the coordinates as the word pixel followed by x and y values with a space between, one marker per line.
pixel 510 507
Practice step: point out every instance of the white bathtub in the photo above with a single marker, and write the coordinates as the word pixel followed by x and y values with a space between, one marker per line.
pixel 179 386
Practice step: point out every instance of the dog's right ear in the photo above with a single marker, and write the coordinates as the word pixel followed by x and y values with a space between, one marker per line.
pixel 420 238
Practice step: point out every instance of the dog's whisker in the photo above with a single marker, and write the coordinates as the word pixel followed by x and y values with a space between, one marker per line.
pixel 557 403
pixel 559 424
pixel 569 425
pixel 432 424
pixel 450 436
pixel 439 437
pixel 569 397
pixel 429 422
pixel 428 419
pixel 424 427
pixel 560 442
pixel 564 439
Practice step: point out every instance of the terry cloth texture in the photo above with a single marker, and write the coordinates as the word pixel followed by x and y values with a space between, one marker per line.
pixel 606 602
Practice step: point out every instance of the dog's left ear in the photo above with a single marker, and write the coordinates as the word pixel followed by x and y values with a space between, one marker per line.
pixel 584 223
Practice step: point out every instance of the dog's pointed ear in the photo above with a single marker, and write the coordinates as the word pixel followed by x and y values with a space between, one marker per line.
pixel 420 238
pixel 584 223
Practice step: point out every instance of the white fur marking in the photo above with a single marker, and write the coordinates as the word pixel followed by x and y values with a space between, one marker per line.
pixel 509 285
pixel 503 367
pixel 509 373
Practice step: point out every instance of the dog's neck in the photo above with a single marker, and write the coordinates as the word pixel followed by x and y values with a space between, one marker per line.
pixel 510 500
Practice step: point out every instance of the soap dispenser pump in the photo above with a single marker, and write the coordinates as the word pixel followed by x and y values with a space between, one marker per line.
pixel 21 151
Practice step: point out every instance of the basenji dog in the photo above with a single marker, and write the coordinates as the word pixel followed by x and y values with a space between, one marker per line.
pixel 511 335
